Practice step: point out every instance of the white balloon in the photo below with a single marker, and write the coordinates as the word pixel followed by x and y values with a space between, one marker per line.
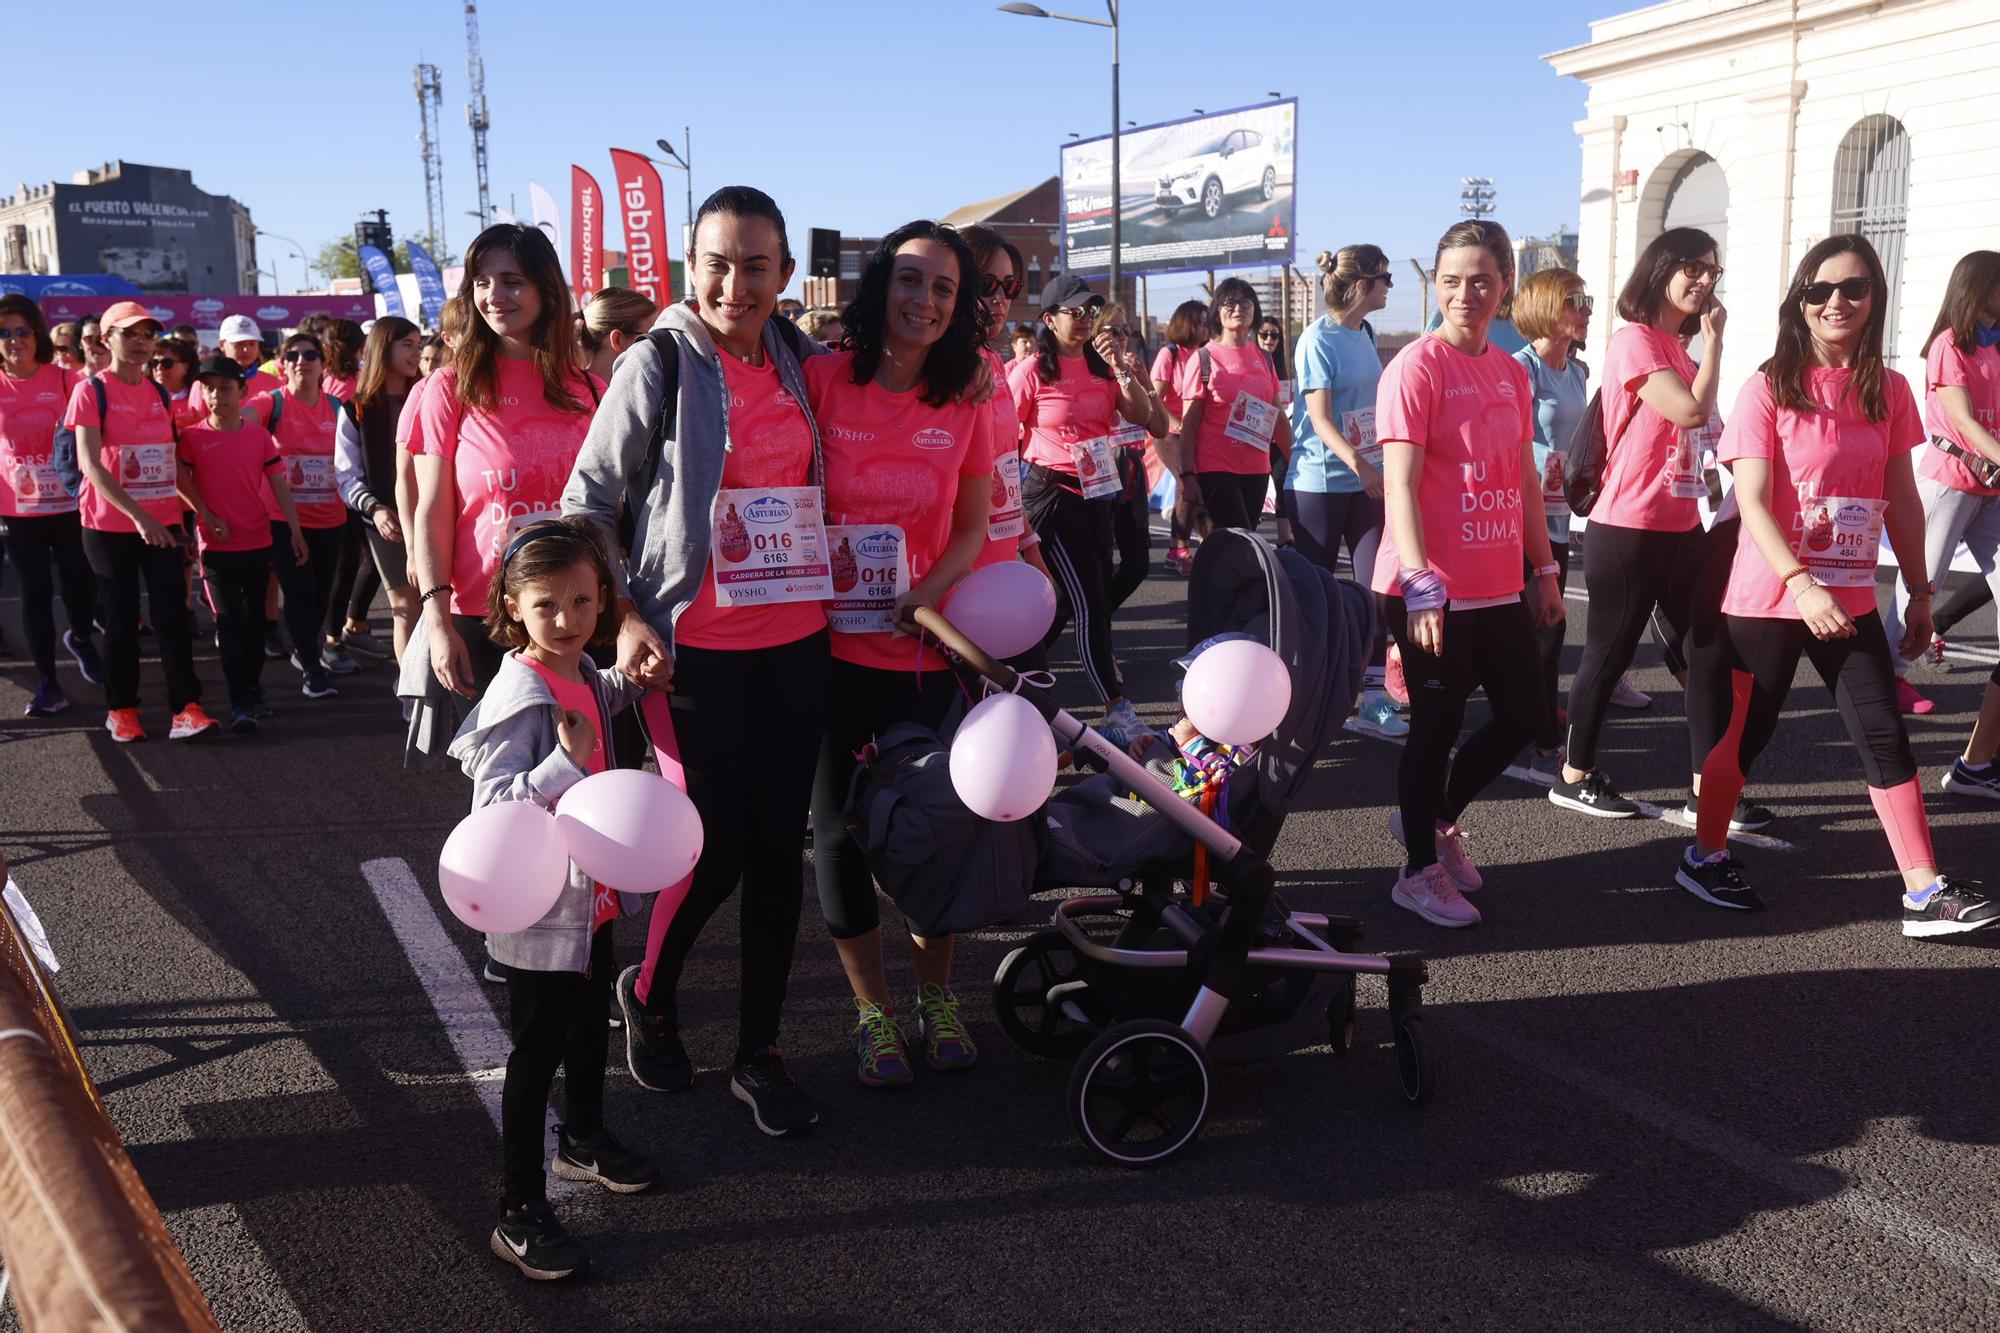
pixel 503 867
pixel 1003 759
pixel 1237 692
pixel 630 830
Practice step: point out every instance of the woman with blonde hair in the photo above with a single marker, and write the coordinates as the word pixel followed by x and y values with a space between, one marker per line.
pixel 616 318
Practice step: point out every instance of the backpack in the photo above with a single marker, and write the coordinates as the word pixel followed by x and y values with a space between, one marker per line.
pixel 946 869
pixel 278 411
pixel 1583 458
pixel 62 454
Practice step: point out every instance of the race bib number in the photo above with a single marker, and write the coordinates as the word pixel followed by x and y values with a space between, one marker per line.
pixel 1096 467
pixel 1005 519
pixel 1839 537
pixel 37 489
pixel 311 478
pixel 1682 475
pixel 870 570
pixel 769 546
pixel 146 471
pixel 1252 420
pixel 1128 436
pixel 1555 502
pixel 1359 428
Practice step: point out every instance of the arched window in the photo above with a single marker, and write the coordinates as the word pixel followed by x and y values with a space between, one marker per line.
pixel 1698 196
pixel 1871 195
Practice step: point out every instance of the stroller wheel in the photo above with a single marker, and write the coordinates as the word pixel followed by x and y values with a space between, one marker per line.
pixel 1139 1093
pixel 1413 1061
pixel 1029 993
pixel 1340 1018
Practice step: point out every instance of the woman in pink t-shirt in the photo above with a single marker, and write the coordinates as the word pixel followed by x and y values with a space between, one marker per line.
pixel 1187 333
pixel 1233 416
pixel 909 477
pixel 1820 444
pixel 1646 520
pixel 1455 418
pixel 500 429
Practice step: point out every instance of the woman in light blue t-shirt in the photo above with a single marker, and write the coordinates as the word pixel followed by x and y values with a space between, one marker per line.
pixel 1333 487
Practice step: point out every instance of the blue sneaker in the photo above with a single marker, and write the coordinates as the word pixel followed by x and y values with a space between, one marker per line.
pixel 49 699
pixel 88 664
pixel 1963 779
pixel 242 724
pixel 947 1045
pixel 1376 714
pixel 881 1061
pixel 1122 725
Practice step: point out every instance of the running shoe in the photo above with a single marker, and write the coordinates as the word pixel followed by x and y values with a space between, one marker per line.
pixel 1627 695
pixel 88 664
pixel 361 641
pixel 947 1045
pixel 1909 701
pixel 1122 725
pixel 1376 714
pixel 1747 817
pixel 243 723
pixel 334 658
pixel 1592 794
pixel 1947 908
pixel 1397 685
pixel 261 710
pixel 602 1160
pixel 653 1050
pixel 48 701
pixel 1718 881
pixel 1432 895
pixel 881 1061
pixel 315 684
pixel 1180 560
pixel 1969 781
pixel 492 973
pixel 274 646
pixel 1548 763
pixel 533 1241
pixel 1935 653
pixel 191 722
pixel 1450 853
pixel 778 1104
pixel 123 724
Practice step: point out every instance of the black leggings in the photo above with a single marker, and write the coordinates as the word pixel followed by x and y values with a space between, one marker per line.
pixel 1857 670
pixel 1491 648
pixel 1694 596
pixel 1076 545
pixel 233 582
pixel 1232 499
pixel 124 563
pixel 47 550
pixel 1322 522
pixel 1549 647
pixel 1971 594
pixel 749 726
pixel 1131 528
pixel 866 702
pixel 307 587
pixel 556 1019
pixel 1627 571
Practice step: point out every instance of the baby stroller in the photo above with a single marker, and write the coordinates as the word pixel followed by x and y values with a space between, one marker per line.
pixel 1146 987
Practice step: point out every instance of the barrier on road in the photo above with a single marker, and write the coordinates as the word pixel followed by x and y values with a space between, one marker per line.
pixel 83 1241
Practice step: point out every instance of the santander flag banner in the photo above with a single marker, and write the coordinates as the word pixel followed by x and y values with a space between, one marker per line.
pixel 586 233
pixel 642 201
pixel 546 215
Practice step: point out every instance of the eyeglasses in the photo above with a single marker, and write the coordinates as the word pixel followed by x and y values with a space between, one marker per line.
pixel 22 332
pixel 302 354
pixel 1580 301
pixel 1694 271
pixel 1386 278
pixel 1819 293
pixel 990 286
pixel 1233 303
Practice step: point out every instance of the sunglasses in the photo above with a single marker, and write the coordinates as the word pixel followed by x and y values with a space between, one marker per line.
pixel 1579 301
pixel 990 286
pixel 11 334
pixel 160 361
pixel 1384 277
pixel 65 349
pixel 1819 293
pixel 302 354
pixel 136 332
pixel 1077 311
pixel 1235 303
pixel 1267 335
pixel 1694 271
pixel 1118 330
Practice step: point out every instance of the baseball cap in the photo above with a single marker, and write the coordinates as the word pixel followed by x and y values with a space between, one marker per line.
pixel 1067 289
pixel 1187 660
pixel 124 315
pixel 219 365
pixel 239 327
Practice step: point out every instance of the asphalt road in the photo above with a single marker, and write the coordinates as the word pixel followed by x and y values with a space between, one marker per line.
pixel 1652 1114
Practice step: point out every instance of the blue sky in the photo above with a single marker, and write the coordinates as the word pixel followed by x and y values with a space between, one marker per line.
pixel 856 116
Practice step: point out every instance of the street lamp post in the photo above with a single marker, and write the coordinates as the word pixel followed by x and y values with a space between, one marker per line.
pixel 1111 7
pixel 305 268
pixel 684 159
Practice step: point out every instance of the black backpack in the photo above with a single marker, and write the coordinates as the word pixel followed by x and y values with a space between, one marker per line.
pixel 69 469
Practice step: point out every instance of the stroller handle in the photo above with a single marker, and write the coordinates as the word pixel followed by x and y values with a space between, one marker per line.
pixel 933 623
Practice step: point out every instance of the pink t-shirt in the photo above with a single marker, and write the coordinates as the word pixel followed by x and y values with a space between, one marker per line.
pixel 1006 525
pixel 1231 420
pixel 1078 406
pixel 305 441
pixel 1470 415
pixel 1651 478
pixel 30 410
pixel 409 423
pixel 1826 487
pixel 340 386
pixel 579 696
pixel 1167 374
pixel 1976 372
pixel 892 458
pixel 770 444
pixel 137 449
pixel 509 465
pixel 257 382
pixel 230 467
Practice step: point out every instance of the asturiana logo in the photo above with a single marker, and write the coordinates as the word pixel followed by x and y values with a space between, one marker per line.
pixel 1854 516
pixel 208 305
pixel 878 546
pixel 163 313
pixel 934 437
pixel 274 312
pixel 768 509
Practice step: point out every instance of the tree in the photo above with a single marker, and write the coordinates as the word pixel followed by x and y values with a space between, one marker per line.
pixel 338 259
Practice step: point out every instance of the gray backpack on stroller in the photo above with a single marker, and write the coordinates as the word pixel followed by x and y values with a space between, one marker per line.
pixel 947 869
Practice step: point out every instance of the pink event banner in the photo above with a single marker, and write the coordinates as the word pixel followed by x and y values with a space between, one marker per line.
pixel 208 312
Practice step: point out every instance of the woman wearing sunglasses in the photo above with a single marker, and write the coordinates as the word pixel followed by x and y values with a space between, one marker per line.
pixel 1009 535
pixel 1820 443
pixel 1646 520
pixel 1131 526
pixel 67 340
pixel 172 367
pixel 1233 419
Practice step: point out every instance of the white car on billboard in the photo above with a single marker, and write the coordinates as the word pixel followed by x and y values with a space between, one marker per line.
pixel 1232 162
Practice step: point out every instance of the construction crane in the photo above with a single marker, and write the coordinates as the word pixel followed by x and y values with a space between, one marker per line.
pixel 430 100
pixel 475 107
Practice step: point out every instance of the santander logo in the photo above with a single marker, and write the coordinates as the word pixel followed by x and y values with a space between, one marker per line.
pixel 934 437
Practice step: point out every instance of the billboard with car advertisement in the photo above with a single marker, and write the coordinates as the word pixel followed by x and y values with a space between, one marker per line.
pixel 1211 191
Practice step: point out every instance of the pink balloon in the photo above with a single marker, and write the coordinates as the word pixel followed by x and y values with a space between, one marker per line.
pixel 1237 692
pixel 1005 608
pixel 503 867
pixel 630 830
pixel 1003 759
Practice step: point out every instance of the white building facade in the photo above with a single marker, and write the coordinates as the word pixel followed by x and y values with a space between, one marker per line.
pixel 1772 124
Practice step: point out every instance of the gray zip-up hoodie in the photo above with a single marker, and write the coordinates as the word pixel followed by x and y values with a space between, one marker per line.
pixel 670 523
pixel 510 749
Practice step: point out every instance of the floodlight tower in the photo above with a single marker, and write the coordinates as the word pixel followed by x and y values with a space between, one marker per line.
pixel 475 108
pixel 430 101
pixel 1475 196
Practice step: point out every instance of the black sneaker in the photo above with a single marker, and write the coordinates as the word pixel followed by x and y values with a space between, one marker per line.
pixel 274 644
pixel 1592 794
pixel 1949 908
pixel 1718 881
pixel 1966 780
pixel 316 685
pixel 88 664
pixel 653 1050
pixel 779 1105
pixel 533 1241
pixel 1746 818
pixel 602 1160
pixel 492 973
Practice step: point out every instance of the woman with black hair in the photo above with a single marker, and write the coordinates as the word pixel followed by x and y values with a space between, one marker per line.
pixel 1187 332
pixel 1820 443
pixel 1009 536
pixel 365 460
pixel 909 461
pixel 1233 418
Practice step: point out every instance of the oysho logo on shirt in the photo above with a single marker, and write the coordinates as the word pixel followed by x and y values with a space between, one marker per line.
pixel 48 396
pixel 934 437
pixel 848 435
pixel 1459 391
pixel 768 509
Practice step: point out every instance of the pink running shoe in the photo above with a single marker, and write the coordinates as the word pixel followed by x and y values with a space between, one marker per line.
pixel 1450 853
pixel 1398 687
pixel 1909 701
pixel 1431 894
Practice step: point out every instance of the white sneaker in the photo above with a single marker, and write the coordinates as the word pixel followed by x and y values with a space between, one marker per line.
pixel 1627 695
pixel 1450 853
pixel 1376 714
pixel 1122 725
pixel 1431 894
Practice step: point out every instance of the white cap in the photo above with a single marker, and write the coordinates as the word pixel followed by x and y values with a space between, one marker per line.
pixel 239 327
